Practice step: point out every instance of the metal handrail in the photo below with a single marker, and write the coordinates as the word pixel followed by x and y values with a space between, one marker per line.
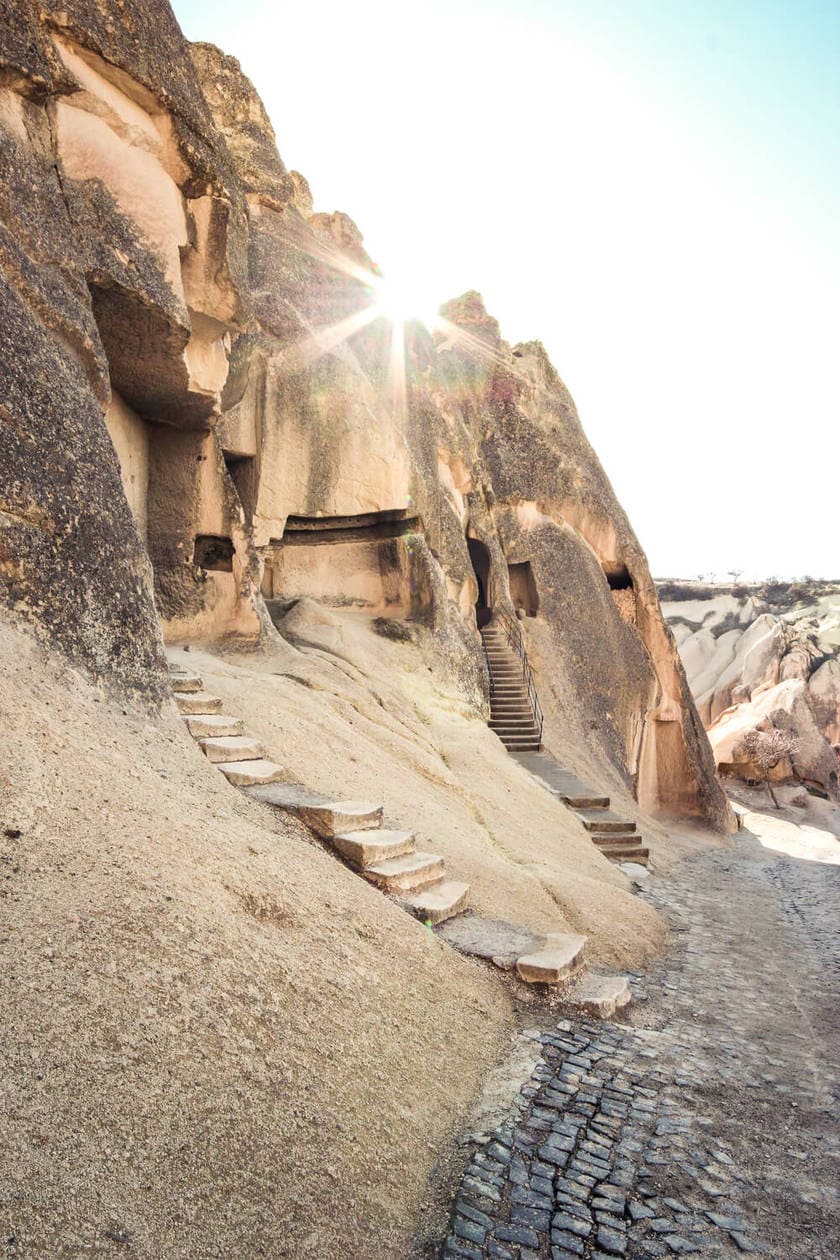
pixel 514 636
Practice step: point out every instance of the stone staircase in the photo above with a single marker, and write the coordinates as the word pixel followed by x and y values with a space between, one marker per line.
pixel 390 860
pixel 616 837
pixel 513 714
pixel 387 858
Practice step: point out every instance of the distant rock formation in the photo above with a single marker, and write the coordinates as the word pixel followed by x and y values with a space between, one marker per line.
pixel 760 657
pixel 181 322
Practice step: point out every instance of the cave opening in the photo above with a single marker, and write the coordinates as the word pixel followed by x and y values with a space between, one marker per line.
pixel 370 562
pixel 480 559
pixel 523 588
pixel 213 552
pixel 618 577
pixel 242 470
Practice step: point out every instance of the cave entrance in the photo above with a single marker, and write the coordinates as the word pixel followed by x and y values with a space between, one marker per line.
pixel 480 558
pixel 622 591
pixel 370 562
pixel 618 577
pixel 523 588
pixel 242 470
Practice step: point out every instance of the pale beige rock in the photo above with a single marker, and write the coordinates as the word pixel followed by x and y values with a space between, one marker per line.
pixel 244 774
pixel 363 848
pixel 599 996
pixel 198 703
pixel 329 818
pixel 232 748
pixel 205 725
pixel 186 683
pixel 824 689
pixel 786 706
pixel 439 902
pixel 405 874
pixel 556 961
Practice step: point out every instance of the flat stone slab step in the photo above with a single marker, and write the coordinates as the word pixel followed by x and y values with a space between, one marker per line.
pixel 599 996
pixel 203 725
pixel 185 682
pixel 557 960
pixel 495 940
pixel 563 783
pixel 363 848
pixel 232 748
pixel 604 820
pixel 626 853
pixel 406 874
pixel 325 815
pixel 615 837
pixel 246 774
pixel 438 903
pixel 197 702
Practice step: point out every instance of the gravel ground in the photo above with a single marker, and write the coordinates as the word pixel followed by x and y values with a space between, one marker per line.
pixel 706 1124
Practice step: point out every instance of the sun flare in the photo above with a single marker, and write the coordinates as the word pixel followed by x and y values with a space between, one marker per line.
pixel 401 299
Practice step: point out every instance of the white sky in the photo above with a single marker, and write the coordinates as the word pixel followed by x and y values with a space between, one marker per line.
pixel 652 196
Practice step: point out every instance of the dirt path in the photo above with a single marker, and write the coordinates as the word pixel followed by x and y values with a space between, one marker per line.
pixel 705 1125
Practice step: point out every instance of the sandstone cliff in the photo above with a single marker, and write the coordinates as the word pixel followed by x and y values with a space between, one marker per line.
pixel 209 434
pixel 763 656
pixel 163 265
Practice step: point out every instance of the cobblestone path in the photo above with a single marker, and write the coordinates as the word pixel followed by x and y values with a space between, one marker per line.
pixel 707 1124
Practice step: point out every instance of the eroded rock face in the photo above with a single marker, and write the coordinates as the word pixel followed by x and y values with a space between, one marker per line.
pixel 742 651
pixel 212 344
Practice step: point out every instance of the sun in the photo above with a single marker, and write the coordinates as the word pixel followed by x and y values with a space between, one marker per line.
pixel 401 298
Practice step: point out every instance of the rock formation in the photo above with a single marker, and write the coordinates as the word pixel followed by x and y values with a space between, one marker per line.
pixel 764 656
pixel 181 318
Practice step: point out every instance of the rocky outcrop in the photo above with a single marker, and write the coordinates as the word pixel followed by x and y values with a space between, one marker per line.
pixel 185 323
pixel 760 657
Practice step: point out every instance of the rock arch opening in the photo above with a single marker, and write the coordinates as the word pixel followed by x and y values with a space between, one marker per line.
pixel 622 590
pixel 523 588
pixel 480 560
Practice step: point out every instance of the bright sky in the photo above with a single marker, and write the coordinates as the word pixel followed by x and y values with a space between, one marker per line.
pixel 649 187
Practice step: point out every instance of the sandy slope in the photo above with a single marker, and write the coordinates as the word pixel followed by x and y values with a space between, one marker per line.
pixel 216 1038
pixel 347 711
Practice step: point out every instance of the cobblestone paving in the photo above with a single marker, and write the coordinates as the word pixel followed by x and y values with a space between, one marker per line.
pixel 707 1125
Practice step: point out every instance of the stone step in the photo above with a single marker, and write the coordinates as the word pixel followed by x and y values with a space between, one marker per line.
pixel 513 725
pixel 247 774
pixel 204 725
pixel 323 814
pixel 407 874
pixel 559 957
pixel 598 996
pixel 198 702
pixel 438 903
pixel 603 820
pixel 625 853
pixel 186 682
pixel 527 745
pixel 585 802
pixel 615 837
pixel 232 748
pixel 364 848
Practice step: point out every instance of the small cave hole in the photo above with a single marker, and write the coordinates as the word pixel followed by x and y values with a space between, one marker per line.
pixel 214 553
pixel 242 470
pixel 523 588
